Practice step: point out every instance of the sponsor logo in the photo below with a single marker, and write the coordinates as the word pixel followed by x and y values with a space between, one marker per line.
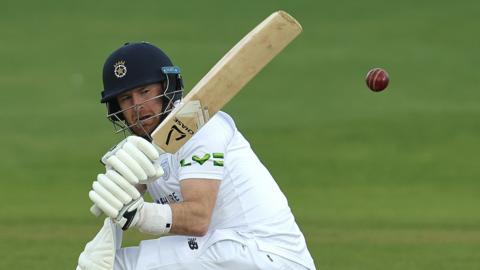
pixel 180 130
pixel 216 158
pixel 192 243
pixel 181 134
pixel 170 198
pixel 183 126
pixel 202 159
pixel 183 163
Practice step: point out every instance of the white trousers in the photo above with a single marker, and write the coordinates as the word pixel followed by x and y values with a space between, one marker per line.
pixel 182 252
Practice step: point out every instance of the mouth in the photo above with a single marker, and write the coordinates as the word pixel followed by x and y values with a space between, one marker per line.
pixel 144 124
pixel 144 117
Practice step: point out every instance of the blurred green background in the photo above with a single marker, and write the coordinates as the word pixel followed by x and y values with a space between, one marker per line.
pixel 376 180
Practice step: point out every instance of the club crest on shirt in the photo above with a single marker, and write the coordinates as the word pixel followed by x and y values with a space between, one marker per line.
pixel 166 169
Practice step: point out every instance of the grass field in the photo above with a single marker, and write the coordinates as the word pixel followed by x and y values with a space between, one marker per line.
pixel 376 180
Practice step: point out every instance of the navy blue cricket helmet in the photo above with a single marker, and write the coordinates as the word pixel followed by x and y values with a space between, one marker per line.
pixel 134 65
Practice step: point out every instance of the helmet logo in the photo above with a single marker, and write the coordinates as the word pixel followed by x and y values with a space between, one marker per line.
pixel 119 69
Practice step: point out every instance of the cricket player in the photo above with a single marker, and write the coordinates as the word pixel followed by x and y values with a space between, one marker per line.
pixel 216 205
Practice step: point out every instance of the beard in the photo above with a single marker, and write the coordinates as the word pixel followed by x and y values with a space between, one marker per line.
pixel 146 127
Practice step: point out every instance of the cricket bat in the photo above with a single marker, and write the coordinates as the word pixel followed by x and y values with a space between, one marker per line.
pixel 224 81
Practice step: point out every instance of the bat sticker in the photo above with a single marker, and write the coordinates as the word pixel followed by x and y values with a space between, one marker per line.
pixel 181 134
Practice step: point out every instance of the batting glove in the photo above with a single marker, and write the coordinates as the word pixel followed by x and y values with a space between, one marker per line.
pixel 119 200
pixel 134 158
pixel 111 192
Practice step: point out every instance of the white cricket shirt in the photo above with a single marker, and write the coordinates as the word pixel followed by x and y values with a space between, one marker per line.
pixel 249 200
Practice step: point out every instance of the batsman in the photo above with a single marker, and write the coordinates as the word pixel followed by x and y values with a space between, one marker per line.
pixel 215 204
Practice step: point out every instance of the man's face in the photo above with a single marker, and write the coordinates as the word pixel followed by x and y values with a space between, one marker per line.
pixel 141 109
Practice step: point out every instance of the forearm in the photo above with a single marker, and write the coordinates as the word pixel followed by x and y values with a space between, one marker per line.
pixel 190 218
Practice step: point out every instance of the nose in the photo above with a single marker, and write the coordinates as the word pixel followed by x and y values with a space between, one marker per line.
pixel 137 99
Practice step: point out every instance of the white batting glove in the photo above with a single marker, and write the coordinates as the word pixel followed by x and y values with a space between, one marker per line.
pixel 134 158
pixel 99 253
pixel 119 200
pixel 111 192
pixel 115 196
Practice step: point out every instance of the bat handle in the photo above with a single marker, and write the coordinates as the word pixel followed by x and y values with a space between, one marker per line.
pixel 95 210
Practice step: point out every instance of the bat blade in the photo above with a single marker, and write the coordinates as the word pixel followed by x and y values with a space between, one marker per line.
pixel 226 79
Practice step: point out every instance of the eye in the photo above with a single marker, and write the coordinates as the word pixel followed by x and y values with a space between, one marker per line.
pixel 124 98
pixel 145 90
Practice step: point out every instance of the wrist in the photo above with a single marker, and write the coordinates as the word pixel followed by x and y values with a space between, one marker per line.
pixel 154 218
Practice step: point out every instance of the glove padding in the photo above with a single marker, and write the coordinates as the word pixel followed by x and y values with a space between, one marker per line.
pixel 134 158
pixel 123 203
pixel 111 192
pixel 149 218
pixel 99 254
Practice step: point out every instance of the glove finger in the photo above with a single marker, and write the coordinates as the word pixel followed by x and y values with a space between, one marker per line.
pixel 112 151
pixel 95 210
pixel 158 170
pixel 114 189
pixel 143 145
pixel 102 204
pixel 121 168
pixel 107 196
pixel 132 164
pixel 124 184
pixel 141 158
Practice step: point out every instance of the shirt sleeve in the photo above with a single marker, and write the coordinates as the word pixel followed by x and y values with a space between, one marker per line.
pixel 203 156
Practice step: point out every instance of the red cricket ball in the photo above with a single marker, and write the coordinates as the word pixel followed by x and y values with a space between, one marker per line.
pixel 377 79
